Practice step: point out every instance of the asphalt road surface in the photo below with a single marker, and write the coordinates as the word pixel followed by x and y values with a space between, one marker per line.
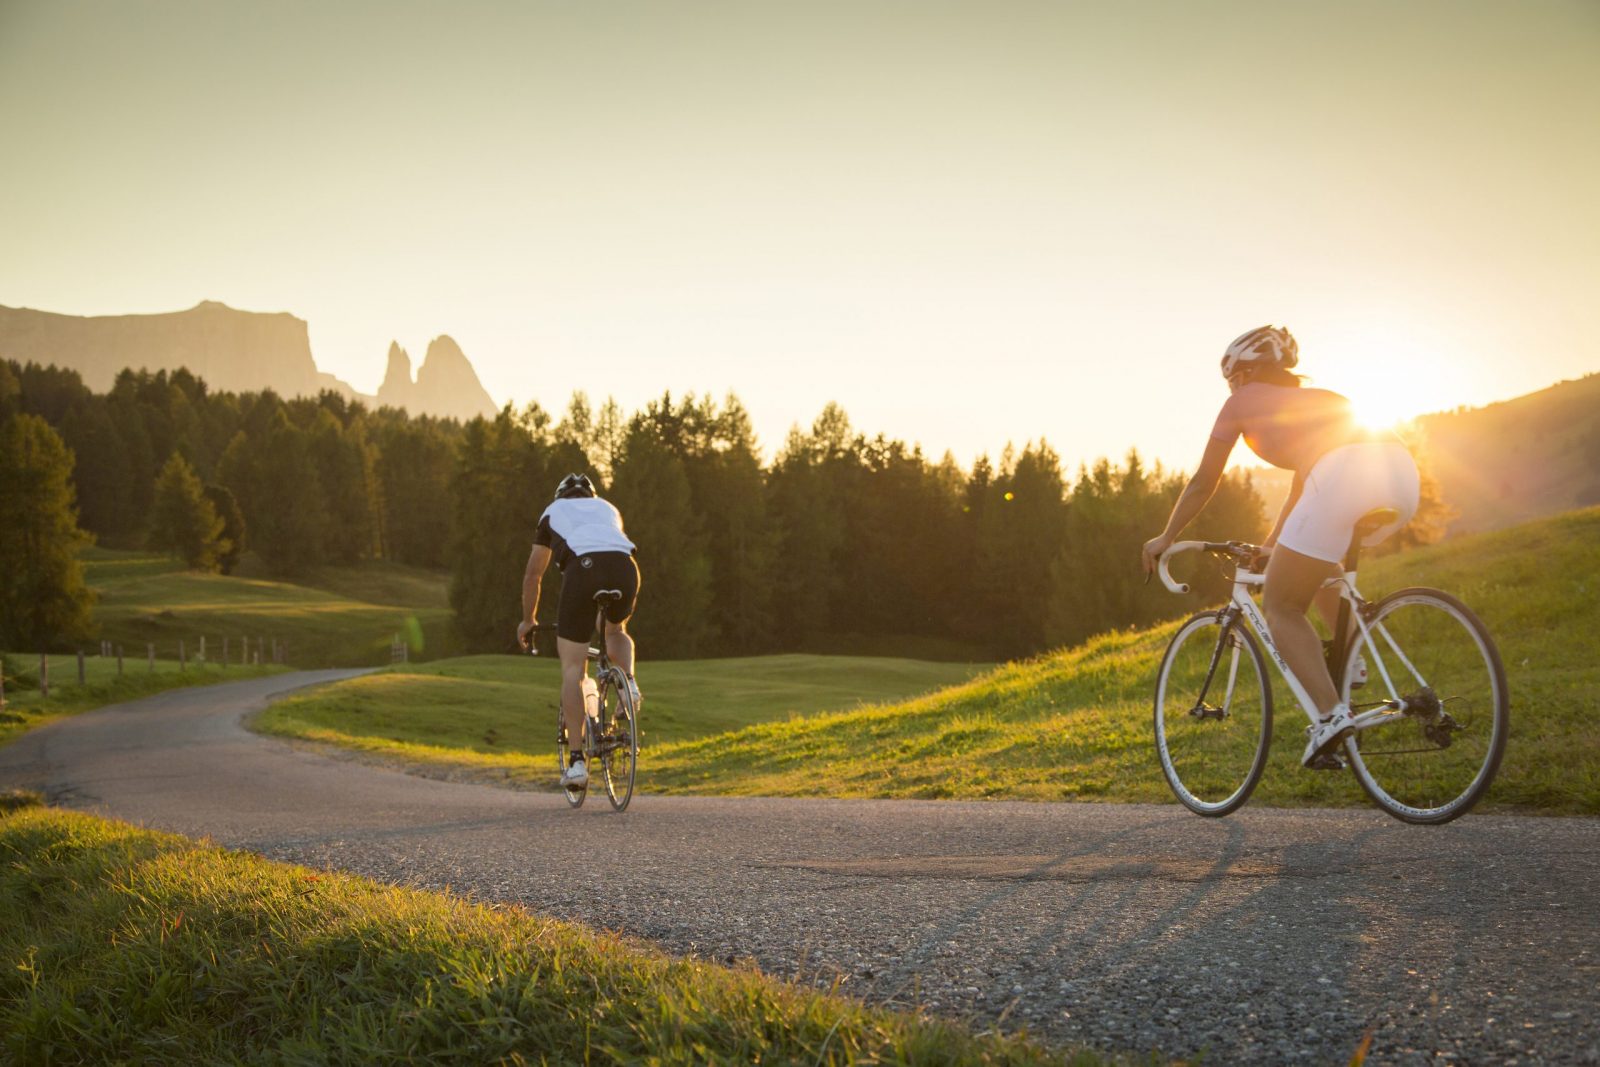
pixel 1270 936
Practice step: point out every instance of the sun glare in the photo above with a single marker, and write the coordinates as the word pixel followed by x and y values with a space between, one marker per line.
pixel 1392 373
pixel 1382 409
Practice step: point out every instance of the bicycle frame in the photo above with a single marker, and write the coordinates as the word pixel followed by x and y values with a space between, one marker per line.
pixel 1351 607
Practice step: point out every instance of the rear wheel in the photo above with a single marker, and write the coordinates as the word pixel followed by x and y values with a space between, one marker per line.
pixel 1213 714
pixel 1433 662
pixel 619 738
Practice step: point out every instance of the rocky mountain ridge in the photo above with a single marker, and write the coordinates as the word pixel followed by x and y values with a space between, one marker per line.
pixel 234 351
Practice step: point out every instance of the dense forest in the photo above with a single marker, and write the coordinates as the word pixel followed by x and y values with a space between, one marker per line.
pixel 840 542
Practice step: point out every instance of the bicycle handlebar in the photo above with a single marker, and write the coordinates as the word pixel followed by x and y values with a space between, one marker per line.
pixel 1161 566
pixel 1239 550
pixel 542 628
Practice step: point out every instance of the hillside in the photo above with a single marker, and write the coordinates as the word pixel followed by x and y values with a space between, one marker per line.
pixel 1075 724
pixel 1534 455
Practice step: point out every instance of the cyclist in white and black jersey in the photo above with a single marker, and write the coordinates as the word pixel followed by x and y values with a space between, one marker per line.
pixel 583 534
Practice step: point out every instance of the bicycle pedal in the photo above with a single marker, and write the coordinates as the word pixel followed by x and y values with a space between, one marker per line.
pixel 1328 761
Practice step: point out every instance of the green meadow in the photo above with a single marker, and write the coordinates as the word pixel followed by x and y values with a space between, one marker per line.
pixel 1074 724
pixel 500 711
pixel 332 617
pixel 127 946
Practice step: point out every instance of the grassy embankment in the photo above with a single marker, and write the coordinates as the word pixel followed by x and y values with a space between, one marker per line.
pixel 498 712
pixel 1075 724
pixel 123 945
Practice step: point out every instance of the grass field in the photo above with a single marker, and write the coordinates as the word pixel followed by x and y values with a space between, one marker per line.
pixel 126 946
pixel 1074 724
pixel 500 711
pixel 26 708
pixel 343 618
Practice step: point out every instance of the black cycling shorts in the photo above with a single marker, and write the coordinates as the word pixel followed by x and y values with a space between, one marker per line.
pixel 586 575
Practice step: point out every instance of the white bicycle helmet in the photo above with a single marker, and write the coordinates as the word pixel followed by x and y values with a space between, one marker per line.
pixel 1272 345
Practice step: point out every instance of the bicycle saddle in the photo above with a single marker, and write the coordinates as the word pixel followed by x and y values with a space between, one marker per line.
pixel 1376 518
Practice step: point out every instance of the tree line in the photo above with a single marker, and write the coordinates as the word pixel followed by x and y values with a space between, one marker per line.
pixel 841 542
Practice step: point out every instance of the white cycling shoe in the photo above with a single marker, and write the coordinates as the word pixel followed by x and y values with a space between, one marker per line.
pixel 576 776
pixel 1327 735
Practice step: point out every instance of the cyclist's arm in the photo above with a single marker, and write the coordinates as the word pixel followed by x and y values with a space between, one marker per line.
pixel 1200 488
pixel 532 578
pixel 1191 501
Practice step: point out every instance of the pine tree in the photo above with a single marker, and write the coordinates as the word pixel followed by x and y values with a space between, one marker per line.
pixel 233 535
pixel 651 490
pixel 183 522
pixel 43 599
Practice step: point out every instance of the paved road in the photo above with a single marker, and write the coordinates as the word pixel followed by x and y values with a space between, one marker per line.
pixel 1271 936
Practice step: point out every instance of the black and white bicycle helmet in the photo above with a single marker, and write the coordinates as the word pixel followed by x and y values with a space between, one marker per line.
pixel 574 485
pixel 1272 345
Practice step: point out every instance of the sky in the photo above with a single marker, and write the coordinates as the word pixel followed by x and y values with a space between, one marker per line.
pixel 966 223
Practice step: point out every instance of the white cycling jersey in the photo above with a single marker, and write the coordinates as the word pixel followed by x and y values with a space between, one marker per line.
pixel 577 526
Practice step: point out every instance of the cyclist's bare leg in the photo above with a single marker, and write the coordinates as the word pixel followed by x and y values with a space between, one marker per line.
pixel 1291 585
pixel 1328 601
pixel 574 657
pixel 619 646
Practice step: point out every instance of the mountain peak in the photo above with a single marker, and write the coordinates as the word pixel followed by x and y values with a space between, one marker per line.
pixel 449 383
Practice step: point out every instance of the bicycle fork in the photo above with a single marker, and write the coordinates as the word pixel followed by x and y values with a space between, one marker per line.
pixel 1225 639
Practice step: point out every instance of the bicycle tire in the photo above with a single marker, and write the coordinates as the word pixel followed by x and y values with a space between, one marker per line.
pixel 575 797
pixel 1212 756
pixel 619 739
pixel 1433 763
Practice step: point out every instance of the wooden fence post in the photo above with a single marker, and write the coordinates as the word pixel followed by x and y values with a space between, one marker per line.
pixel 80 666
pixel 150 648
pixel 44 676
pixel 202 658
pixel 119 661
pixel 224 651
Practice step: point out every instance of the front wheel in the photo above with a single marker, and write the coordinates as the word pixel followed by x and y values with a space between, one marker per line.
pixel 1431 663
pixel 619 738
pixel 1213 713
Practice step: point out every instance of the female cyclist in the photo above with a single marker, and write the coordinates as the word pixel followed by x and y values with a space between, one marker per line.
pixel 1341 473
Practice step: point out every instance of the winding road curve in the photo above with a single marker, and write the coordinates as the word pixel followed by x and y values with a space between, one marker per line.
pixel 1270 936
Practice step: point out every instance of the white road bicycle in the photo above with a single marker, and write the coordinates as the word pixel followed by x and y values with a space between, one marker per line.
pixel 1419 671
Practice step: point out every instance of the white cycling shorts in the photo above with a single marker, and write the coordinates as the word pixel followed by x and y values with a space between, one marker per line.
pixel 1343 486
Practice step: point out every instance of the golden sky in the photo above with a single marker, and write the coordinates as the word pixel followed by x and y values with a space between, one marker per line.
pixel 966 222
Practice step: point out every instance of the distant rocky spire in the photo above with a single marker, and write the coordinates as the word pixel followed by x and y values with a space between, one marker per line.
pixel 397 390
